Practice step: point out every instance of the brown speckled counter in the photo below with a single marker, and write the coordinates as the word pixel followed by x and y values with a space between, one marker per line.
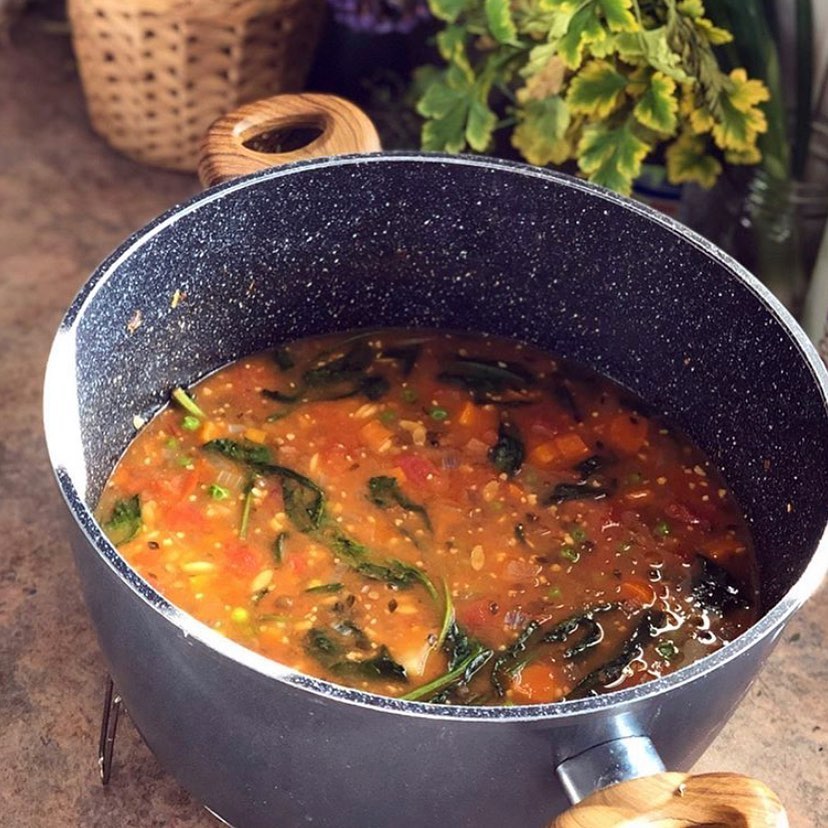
pixel 65 200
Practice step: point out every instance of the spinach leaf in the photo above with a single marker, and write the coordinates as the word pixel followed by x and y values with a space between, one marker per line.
pixel 347 629
pixel 535 635
pixel 338 378
pixel 563 395
pixel 647 629
pixel 384 491
pixel 381 666
pixel 304 502
pixel 397 573
pixel 406 355
pixel 283 358
pixel 320 645
pixel 250 454
pixel 593 633
pixel 280 396
pixel 279 547
pixel 354 361
pixel 487 380
pixel 325 588
pixel 508 453
pixel 594 463
pixel 328 646
pixel 714 588
pixel 460 675
pixel 574 491
pixel 340 544
pixel 125 521
pixel 509 662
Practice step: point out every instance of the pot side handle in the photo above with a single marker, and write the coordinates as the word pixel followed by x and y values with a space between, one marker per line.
pixel 680 800
pixel 252 137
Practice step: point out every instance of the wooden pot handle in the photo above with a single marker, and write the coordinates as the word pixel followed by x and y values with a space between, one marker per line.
pixel 679 800
pixel 343 128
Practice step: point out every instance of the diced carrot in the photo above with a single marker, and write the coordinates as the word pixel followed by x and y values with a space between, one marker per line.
pixel 375 436
pixel 255 435
pixel 537 681
pixel 627 433
pixel 637 591
pixel 563 450
pixel 544 454
pixel 571 447
pixel 210 431
pixel 477 417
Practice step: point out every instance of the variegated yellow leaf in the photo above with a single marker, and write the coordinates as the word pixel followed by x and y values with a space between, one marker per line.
pixel 548 81
pixel 596 90
pixel 658 106
pixel 500 22
pixel 744 94
pixel 687 161
pixel 746 157
pixel 714 35
pixel 651 47
pixel 612 157
pixel 585 28
pixel 540 135
pixel 737 130
pixel 618 15
pixel 448 10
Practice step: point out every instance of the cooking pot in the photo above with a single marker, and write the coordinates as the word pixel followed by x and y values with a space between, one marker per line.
pixel 468 243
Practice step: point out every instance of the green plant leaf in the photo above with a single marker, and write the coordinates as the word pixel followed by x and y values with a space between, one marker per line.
pixel 596 90
pixel 500 22
pixel 618 15
pixel 448 10
pixel 584 29
pixel 541 130
pixel 547 19
pixel 691 8
pixel 687 161
pixel 445 103
pixel 658 106
pixel 480 125
pixel 714 35
pixel 652 47
pixel 451 43
pixel 611 156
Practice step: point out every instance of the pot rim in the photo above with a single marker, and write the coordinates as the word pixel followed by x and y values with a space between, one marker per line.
pixel 63 438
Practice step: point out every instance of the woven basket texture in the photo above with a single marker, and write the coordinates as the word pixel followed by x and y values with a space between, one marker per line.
pixel 157 73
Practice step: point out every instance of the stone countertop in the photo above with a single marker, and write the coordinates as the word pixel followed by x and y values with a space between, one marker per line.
pixel 66 200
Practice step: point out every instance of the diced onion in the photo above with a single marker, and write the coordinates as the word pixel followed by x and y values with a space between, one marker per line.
pixel 451 460
pixel 230 479
pixel 515 619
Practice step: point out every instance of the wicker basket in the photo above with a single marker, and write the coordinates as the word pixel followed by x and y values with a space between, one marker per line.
pixel 157 73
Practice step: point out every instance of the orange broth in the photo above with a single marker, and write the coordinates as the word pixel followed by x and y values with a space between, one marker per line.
pixel 439 517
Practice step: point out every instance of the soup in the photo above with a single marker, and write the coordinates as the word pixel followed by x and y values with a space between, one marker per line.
pixel 434 516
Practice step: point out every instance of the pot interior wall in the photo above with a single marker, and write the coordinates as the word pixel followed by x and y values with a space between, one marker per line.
pixel 466 245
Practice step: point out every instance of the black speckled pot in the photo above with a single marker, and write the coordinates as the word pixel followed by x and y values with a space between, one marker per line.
pixel 452 243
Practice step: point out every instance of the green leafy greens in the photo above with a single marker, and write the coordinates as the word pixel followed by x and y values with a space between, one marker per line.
pixel 385 492
pixel 125 521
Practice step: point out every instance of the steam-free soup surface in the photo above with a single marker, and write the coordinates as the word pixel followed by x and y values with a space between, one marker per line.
pixel 440 517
